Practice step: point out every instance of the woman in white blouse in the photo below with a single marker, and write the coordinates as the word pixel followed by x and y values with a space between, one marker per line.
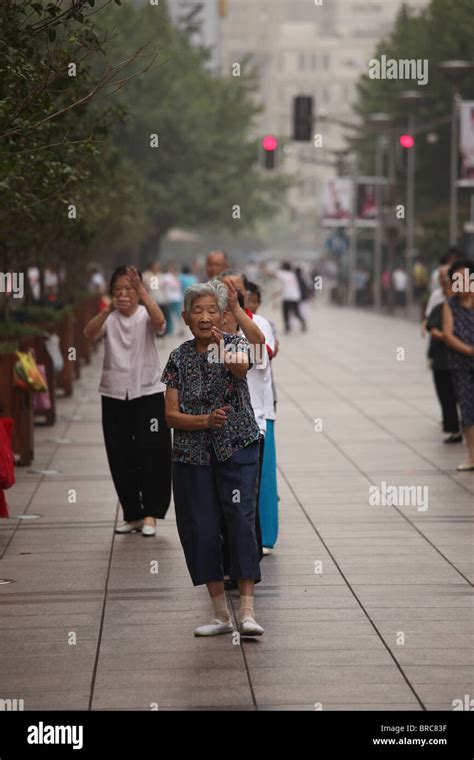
pixel 137 438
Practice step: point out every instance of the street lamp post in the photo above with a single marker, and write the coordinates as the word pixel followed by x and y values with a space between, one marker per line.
pixel 379 122
pixel 454 71
pixel 410 98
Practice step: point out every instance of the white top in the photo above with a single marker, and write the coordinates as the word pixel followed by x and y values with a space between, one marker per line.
pixel 131 362
pixel 400 280
pixel 434 300
pixel 259 378
pixel 289 282
pixel 155 284
pixel 172 286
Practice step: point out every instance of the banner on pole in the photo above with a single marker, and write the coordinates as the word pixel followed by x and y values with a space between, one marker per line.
pixel 466 143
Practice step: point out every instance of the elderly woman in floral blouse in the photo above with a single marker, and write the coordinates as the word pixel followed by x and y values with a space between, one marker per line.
pixel 215 451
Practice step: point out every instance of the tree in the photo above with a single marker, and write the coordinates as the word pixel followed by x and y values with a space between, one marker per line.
pixel 203 162
pixel 443 30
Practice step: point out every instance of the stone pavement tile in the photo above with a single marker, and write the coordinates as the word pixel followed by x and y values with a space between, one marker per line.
pixel 419 628
pixel 173 696
pixel 443 693
pixel 454 674
pixel 22 683
pixel 60 576
pixel 15 649
pixel 311 615
pixel 432 656
pixel 350 693
pixel 71 662
pixel 72 620
pixel 348 706
pixel 55 700
pixel 295 658
pixel 193 662
pixel 164 679
pixel 51 635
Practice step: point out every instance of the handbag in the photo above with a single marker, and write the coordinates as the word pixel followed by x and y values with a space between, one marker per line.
pixel 26 371
pixel 41 400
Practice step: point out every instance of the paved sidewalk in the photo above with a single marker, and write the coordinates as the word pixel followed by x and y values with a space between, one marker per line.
pixel 385 622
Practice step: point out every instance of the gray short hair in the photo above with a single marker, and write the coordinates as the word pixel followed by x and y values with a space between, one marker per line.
pixel 213 288
pixel 235 273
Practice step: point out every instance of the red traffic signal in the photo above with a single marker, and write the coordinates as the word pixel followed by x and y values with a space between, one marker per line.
pixel 407 141
pixel 270 143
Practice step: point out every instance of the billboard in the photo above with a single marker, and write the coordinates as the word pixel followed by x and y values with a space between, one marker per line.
pixel 337 202
pixel 466 143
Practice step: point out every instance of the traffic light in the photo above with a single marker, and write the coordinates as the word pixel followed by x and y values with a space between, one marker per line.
pixel 407 141
pixel 269 145
pixel 303 118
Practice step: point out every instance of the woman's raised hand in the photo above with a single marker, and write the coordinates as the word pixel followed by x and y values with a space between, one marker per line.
pixel 134 277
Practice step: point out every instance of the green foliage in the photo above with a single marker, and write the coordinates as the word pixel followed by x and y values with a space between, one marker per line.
pixel 444 30
pixel 83 140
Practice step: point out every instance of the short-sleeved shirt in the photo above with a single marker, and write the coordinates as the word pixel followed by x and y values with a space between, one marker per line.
pixel 259 378
pixel 204 385
pixel 463 328
pixel 131 363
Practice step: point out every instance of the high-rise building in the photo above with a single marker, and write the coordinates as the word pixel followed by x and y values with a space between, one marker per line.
pixel 306 47
pixel 204 16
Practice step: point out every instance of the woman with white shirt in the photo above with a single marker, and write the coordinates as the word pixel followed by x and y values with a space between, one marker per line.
pixel 137 438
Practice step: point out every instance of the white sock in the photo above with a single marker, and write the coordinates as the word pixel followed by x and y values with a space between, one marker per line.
pixel 220 608
pixel 246 607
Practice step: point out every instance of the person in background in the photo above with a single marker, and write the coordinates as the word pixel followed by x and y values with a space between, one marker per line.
pixel 256 384
pixel 97 284
pixel 268 497
pixel 290 294
pixel 261 383
pixel 305 289
pixel 174 293
pixel 438 354
pixel 215 453
pixel 452 255
pixel 458 334
pixel 187 278
pixel 420 278
pixel 216 263
pixel 400 285
pixel 137 438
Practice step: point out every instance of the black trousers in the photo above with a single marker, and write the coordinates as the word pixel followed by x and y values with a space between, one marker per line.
pixel 138 444
pixel 204 497
pixel 444 385
pixel 292 307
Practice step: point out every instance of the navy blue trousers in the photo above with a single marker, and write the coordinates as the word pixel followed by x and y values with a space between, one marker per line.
pixel 205 495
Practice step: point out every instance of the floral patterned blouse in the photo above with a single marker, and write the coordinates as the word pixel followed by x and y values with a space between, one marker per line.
pixel 463 328
pixel 204 385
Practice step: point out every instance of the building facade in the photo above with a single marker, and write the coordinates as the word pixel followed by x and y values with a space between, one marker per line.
pixel 303 47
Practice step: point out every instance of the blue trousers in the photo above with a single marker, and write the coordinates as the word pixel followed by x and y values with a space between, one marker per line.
pixel 268 502
pixel 203 495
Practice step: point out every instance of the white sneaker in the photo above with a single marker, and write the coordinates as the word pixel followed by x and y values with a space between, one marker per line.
pixel 249 627
pixel 148 530
pixel 129 527
pixel 214 628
